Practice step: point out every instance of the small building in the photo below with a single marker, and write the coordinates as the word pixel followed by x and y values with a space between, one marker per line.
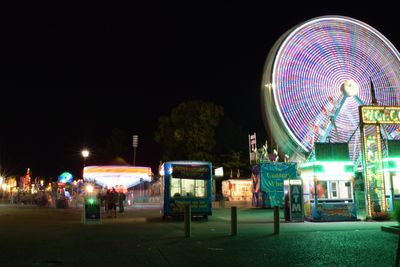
pixel 328 184
pixel 237 189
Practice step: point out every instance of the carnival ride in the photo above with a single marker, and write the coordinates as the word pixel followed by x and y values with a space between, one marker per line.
pixel 117 176
pixel 317 75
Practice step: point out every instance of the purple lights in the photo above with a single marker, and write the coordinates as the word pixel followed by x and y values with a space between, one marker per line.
pixel 317 76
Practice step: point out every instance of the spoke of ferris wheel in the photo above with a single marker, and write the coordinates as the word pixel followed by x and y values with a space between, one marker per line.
pixel 332 120
pixel 359 101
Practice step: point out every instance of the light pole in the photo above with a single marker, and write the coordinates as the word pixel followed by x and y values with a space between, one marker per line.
pixel 85 154
pixel 135 141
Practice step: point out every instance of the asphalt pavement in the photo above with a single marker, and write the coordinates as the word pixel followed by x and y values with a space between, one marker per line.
pixel 33 236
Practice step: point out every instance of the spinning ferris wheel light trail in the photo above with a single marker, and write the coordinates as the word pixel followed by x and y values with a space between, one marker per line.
pixel 317 75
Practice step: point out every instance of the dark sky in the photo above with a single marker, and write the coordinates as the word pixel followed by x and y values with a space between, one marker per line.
pixel 67 81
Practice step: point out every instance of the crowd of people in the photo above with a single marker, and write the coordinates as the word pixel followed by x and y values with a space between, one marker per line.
pixel 110 200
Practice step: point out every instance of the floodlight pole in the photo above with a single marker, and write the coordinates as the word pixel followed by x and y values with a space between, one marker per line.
pixel 85 154
pixel 135 141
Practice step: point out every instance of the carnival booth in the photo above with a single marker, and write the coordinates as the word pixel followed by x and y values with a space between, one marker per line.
pixel 64 189
pixel 186 183
pixel 237 189
pixel 328 182
pixel 391 172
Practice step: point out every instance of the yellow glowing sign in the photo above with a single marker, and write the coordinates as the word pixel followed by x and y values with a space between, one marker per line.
pixel 380 115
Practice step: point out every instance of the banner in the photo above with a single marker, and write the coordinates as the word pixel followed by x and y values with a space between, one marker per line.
pixel 272 176
pixel 252 147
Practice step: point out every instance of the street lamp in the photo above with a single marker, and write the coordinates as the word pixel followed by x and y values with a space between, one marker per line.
pixel 85 154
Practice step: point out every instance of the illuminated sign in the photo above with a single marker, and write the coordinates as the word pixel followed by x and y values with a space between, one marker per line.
pixel 380 115
pixel 296 201
pixel 373 168
pixel 178 206
pixel 91 211
pixel 237 189
pixel 200 172
pixel 371 118
pixel 65 177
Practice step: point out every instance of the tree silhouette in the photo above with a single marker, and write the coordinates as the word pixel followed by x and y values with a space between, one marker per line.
pixel 188 133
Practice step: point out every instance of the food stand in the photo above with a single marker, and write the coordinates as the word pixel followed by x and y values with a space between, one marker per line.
pixel 328 183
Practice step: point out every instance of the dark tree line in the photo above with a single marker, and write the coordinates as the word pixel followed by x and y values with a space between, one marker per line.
pixel 197 130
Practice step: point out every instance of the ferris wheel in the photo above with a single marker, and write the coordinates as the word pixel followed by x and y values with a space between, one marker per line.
pixel 317 75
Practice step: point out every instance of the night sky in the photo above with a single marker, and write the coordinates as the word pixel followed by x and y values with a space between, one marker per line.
pixel 67 81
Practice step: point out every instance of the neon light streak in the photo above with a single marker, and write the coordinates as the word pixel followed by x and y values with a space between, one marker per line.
pixel 304 74
pixel 373 169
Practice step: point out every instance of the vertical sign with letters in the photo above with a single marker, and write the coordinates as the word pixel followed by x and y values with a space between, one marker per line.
pixel 296 201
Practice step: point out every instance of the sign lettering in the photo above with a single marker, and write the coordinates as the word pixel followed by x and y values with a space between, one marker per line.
pixel 380 115
pixel 296 201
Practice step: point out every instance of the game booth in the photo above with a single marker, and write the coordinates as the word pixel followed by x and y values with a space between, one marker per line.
pixel 64 189
pixel 391 173
pixel 237 189
pixel 328 184
pixel 186 183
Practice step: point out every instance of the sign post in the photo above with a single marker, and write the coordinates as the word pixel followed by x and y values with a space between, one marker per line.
pixel 91 211
pixel 296 201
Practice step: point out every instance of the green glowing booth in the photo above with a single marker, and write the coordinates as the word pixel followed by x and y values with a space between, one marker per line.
pixel 328 184
pixel 391 172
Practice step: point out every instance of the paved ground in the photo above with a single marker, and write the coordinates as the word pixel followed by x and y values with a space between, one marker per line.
pixel 31 236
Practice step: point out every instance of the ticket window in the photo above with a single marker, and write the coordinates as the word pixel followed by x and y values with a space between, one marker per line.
pixel 396 185
pixel 345 190
pixel 200 188
pixel 175 187
pixel 333 193
pixel 187 188
pixel 333 190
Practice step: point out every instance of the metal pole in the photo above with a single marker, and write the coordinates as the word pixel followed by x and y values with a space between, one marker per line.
pixel 250 147
pixel 276 220
pixel 398 253
pixel 135 142
pixel 233 221
pixel 134 156
pixel 84 165
pixel 187 221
